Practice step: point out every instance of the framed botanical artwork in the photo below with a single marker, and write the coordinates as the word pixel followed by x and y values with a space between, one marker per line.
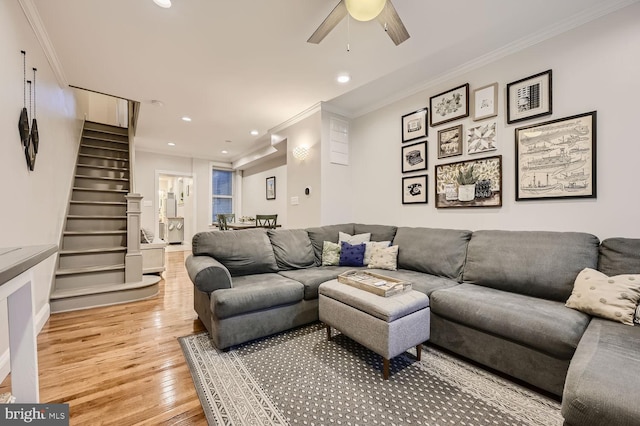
pixel 557 159
pixel 471 183
pixel 414 125
pixel 529 98
pixel 450 105
pixel 414 157
pixel 482 138
pixel 271 188
pixel 450 142
pixel 485 102
pixel 414 190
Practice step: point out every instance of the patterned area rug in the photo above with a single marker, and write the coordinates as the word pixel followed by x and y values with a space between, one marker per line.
pixel 300 378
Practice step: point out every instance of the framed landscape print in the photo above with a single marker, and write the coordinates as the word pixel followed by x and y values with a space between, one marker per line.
pixel 471 183
pixel 414 157
pixel 450 105
pixel 482 138
pixel 450 142
pixel 414 125
pixel 485 102
pixel 557 159
pixel 529 98
pixel 414 190
pixel 271 188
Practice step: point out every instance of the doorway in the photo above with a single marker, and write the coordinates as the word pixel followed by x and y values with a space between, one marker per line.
pixel 175 220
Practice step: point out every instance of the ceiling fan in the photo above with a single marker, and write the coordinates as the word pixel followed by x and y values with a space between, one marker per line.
pixel 364 10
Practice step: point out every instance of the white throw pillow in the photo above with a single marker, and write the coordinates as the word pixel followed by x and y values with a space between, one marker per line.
pixel 354 239
pixel 384 258
pixel 615 298
pixel 369 246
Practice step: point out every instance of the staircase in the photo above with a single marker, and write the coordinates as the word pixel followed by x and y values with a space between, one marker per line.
pixel 92 256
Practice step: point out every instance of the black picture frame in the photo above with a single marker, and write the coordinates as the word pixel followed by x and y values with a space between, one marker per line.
pixel 414 125
pixel 469 183
pixel 530 97
pixel 270 187
pixel 449 105
pixel 557 159
pixel 414 157
pixel 450 141
pixel 415 190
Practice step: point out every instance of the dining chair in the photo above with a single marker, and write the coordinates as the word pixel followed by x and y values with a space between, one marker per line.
pixel 266 220
pixel 224 220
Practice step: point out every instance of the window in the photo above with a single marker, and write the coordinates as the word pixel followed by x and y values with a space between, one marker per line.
pixel 221 193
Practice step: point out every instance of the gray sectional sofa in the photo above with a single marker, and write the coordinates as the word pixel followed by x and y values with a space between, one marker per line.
pixel 497 297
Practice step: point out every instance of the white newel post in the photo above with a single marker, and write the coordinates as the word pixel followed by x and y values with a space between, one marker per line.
pixel 133 259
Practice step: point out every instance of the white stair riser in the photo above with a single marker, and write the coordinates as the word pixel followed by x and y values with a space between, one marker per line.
pixel 70 261
pixel 91 279
pixel 97 210
pixel 89 301
pixel 90 171
pixel 76 224
pixel 80 242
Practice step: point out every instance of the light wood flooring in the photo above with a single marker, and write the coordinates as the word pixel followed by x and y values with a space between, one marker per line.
pixel 123 364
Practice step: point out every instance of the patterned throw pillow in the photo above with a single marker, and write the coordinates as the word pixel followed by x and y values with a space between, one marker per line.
pixel 384 258
pixel 615 298
pixel 636 318
pixel 146 236
pixel 369 247
pixel 354 239
pixel 330 254
pixel 351 254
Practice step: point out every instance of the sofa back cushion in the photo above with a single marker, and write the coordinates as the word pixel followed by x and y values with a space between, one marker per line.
pixel 535 263
pixel 438 252
pixel 326 233
pixel 292 248
pixel 619 256
pixel 378 232
pixel 241 252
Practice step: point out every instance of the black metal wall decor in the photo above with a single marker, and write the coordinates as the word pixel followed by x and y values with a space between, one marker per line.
pixel 29 136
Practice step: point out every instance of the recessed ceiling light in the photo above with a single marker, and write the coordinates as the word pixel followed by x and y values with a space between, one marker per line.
pixel 224 151
pixel 171 144
pixel 185 118
pixel 344 78
pixel 163 3
pixel 255 132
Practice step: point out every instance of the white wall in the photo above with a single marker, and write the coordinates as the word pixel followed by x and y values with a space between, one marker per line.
pixel 595 67
pixel 254 199
pixel 34 203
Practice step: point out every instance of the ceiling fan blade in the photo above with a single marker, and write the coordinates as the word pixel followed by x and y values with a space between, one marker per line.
pixel 392 24
pixel 337 14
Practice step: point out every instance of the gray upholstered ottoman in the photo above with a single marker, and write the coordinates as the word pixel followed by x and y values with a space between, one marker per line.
pixel 386 325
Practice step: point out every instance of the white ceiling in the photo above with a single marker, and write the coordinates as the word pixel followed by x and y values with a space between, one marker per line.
pixel 238 65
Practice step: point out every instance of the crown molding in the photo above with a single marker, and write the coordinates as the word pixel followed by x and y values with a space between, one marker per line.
pixel 297 118
pixel 566 25
pixel 31 12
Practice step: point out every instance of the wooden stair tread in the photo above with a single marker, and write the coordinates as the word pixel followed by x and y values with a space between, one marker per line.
pixel 100 203
pixel 95 216
pixel 106 148
pixel 102 178
pixel 103 157
pixel 95 232
pixel 147 280
pixel 78 188
pixel 93 250
pixel 89 269
pixel 92 166
pixel 105 139
pixel 116 130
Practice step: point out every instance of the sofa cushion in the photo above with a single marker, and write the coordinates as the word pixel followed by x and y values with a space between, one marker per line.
pixel 378 232
pixel 326 233
pixel 351 254
pixel 614 298
pixel 311 278
pixel 535 263
pixel 255 292
pixel 241 252
pixel 619 256
pixel 544 325
pixel 434 251
pixel 602 385
pixel 292 248
pixel 424 283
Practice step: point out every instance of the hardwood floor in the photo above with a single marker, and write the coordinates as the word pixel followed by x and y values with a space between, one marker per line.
pixel 123 364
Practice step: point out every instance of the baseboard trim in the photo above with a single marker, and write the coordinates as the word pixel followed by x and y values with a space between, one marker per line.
pixel 40 320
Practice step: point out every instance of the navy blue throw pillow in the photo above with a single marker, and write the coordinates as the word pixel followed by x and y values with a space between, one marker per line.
pixel 352 255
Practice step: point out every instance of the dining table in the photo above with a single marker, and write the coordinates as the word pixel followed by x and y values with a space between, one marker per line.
pixel 238 226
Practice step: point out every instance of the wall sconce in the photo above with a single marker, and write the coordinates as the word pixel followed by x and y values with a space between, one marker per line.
pixel 300 152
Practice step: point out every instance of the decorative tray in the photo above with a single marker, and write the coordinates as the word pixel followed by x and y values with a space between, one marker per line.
pixel 374 283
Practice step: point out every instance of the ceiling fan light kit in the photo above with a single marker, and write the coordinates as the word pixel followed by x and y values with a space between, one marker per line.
pixel 364 10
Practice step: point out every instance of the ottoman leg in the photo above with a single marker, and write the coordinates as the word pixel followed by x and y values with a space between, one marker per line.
pixel 328 332
pixel 419 352
pixel 385 368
